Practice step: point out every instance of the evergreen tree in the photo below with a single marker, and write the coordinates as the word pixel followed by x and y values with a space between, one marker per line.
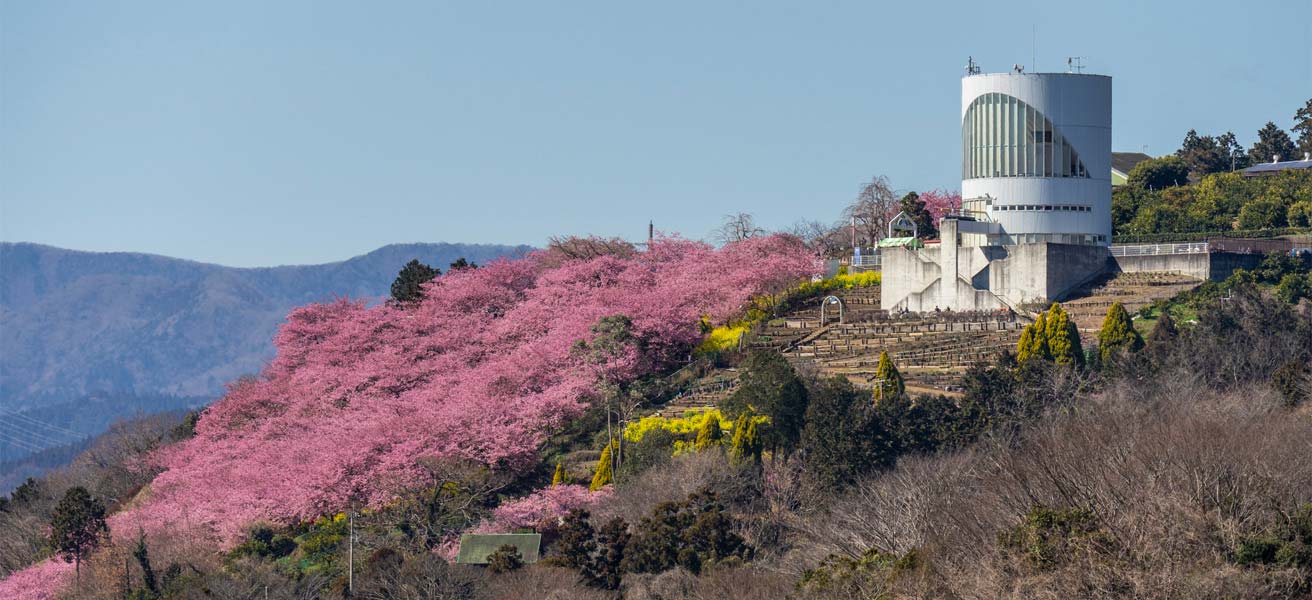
pixel 1234 152
pixel 560 476
pixel 607 568
pixel 604 475
pixel 1303 127
pixel 915 209
pixel 505 559
pixel 1026 343
pixel 143 559
pixel 890 380
pixel 1161 338
pixel 695 532
pixel 770 387
pixel 1117 334
pixel 1063 337
pixel 461 263
pixel 1271 142
pixel 842 439
pixel 1034 341
pixel 745 443
pixel 77 527
pixel 1203 154
pixel 710 435
pixel 1163 332
pixel 409 283
pixel 575 541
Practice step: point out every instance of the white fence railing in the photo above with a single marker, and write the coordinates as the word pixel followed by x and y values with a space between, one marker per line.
pixel 866 261
pixel 1156 249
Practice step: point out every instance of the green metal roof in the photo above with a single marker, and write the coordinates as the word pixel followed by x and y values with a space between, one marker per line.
pixel 475 547
pixel 894 242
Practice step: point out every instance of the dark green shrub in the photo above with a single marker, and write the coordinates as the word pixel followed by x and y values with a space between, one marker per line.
pixel 505 559
pixel 1048 537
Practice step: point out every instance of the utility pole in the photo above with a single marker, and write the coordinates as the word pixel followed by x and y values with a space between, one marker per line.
pixel 350 555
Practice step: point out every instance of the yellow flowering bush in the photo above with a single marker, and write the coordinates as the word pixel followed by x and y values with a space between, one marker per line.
pixel 684 428
pixel 725 337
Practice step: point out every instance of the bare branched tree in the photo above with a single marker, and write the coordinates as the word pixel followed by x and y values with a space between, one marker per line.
pixel 561 249
pixel 825 240
pixel 737 227
pixel 873 208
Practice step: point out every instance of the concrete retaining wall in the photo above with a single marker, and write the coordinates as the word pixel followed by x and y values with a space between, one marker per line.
pixel 1215 266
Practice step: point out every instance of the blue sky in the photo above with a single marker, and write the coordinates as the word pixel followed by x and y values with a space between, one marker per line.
pixel 260 133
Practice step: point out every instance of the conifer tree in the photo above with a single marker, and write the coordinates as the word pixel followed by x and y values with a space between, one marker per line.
pixel 604 474
pixel 1025 344
pixel 1272 142
pixel 769 386
pixel 576 541
pixel 1164 332
pixel 753 442
pixel 745 443
pixel 560 476
pixel 1063 337
pixel 409 283
pixel 142 554
pixel 890 380
pixel 709 436
pixel 1117 334
pixel 77 527
pixel 1034 340
pixel 606 569
pixel 1161 338
pixel 505 559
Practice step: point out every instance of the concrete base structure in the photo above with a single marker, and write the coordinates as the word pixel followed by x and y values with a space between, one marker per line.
pixel 987 277
pixel 991 277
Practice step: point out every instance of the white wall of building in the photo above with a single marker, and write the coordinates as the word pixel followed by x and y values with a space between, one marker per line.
pixel 1080 109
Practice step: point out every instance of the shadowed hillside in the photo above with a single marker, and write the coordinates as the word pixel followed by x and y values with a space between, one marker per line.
pixel 76 325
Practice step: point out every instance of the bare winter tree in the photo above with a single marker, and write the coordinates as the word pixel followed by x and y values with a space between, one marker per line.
pixel 561 249
pixel 873 208
pixel 738 227
pixel 825 240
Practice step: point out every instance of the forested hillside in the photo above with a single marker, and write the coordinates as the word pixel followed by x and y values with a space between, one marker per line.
pixel 1166 461
pixel 82 330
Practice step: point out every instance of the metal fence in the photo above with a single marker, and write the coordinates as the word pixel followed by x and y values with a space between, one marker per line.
pixel 871 261
pixel 1157 249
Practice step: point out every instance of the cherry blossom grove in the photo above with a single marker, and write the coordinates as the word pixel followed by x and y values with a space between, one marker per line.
pixel 480 369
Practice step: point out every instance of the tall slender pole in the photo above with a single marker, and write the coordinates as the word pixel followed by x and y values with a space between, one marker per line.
pixel 350 555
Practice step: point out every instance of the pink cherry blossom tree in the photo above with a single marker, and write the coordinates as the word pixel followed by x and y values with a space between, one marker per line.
pixel 481 369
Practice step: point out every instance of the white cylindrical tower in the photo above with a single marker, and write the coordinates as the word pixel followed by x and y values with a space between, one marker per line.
pixel 1036 155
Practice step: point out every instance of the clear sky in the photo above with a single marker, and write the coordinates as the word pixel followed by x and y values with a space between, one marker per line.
pixel 260 133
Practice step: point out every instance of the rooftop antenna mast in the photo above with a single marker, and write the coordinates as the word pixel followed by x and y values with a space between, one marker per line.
pixel 972 68
pixel 1075 64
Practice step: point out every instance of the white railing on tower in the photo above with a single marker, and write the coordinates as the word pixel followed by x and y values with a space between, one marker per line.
pixel 1157 249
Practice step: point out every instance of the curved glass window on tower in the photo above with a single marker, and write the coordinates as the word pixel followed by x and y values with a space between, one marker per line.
pixel 1004 137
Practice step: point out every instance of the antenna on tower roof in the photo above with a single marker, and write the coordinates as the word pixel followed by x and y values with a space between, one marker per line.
pixel 1075 64
pixel 971 67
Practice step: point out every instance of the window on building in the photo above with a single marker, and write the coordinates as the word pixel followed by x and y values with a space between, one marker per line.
pixel 1004 137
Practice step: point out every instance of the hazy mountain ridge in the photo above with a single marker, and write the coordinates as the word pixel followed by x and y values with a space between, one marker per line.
pixel 75 324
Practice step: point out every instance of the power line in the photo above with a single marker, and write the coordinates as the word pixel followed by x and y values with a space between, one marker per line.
pixel 17 430
pixel 40 423
pixel 19 442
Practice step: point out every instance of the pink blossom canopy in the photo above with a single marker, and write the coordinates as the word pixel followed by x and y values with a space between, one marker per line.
pixel 480 369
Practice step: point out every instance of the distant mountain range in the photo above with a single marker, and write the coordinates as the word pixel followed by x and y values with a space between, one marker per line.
pixel 89 337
